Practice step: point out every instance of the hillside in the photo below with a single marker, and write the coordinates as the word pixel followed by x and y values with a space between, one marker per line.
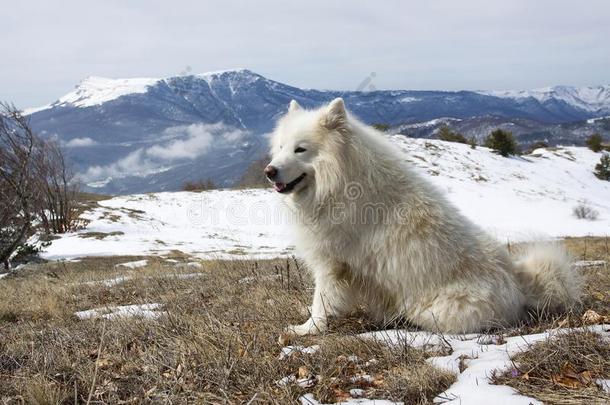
pixel 515 198
pixel 148 134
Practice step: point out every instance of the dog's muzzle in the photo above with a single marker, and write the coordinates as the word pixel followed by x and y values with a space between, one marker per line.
pixel 288 187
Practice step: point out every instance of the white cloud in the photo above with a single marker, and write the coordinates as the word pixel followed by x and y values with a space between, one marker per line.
pixel 187 142
pixel 80 142
pixel 198 141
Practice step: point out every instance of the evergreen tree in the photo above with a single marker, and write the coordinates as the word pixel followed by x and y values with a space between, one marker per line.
pixel 447 134
pixel 602 169
pixel 594 142
pixel 503 142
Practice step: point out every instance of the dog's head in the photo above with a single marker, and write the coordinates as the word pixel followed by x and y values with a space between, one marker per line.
pixel 302 141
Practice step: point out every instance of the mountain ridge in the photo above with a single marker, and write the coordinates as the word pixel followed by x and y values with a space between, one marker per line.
pixel 114 129
pixel 582 96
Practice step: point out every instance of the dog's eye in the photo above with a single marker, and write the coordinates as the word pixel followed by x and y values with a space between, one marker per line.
pixel 300 150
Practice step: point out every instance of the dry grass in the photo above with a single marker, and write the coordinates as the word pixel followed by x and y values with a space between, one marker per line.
pixel 217 343
pixel 562 370
pixel 99 235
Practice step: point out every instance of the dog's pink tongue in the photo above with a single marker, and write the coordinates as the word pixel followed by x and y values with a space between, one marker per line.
pixel 279 186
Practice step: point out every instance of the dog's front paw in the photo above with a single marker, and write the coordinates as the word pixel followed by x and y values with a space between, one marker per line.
pixel 308 328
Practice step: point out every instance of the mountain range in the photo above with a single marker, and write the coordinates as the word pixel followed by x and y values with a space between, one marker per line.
pixel 143 134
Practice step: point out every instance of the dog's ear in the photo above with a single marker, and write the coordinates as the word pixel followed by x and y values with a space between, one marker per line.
pixel 293 106
pixel 335 116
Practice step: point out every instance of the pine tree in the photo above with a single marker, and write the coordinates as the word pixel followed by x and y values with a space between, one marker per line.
pixel 594 142
pixel 503 142
pixel 447 134
pixel 602 169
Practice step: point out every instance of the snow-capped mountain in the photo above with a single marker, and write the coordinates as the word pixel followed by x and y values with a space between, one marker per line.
pixel 139 135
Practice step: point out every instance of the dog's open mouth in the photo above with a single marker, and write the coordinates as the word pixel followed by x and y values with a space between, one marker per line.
pixel 288 187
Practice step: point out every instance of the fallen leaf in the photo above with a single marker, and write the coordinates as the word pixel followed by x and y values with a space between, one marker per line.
pixel 590 317
pixel 103 363
pixel 570 378
pixel 341 395
pixel 303 372
pixel 378 381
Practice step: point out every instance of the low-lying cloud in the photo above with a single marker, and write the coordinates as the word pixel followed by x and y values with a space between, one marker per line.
pixel 80 142
pixel 187 142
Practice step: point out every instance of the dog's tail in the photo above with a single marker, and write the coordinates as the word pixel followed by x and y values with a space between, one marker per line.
pixel 550 282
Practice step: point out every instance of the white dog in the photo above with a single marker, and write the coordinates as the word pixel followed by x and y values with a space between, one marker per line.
pixel 374 232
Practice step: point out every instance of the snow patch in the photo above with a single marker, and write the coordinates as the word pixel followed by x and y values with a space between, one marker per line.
pixel 308 399
pixel 111 282
pixel 289 351
pixel 133 265
pixel 590 263
pixel 147 311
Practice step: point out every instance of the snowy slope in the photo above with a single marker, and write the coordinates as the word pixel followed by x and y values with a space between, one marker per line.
pixel 513 198
pixel 516 198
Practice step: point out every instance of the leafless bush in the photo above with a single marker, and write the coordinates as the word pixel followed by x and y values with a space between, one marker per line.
pixel 35 184
pixel 57 209
pixel 254 177
pixel 199 185
pixel 584 211
pixel 18 191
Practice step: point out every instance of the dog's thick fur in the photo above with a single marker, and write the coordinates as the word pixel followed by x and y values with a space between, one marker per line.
pixel 374 232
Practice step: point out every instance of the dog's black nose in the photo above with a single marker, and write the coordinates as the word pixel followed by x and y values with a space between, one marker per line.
pixel 270 172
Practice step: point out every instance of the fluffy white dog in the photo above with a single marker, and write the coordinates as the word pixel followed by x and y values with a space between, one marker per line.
pixel 374 232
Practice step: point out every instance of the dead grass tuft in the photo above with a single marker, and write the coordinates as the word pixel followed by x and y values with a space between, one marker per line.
pixel 99 235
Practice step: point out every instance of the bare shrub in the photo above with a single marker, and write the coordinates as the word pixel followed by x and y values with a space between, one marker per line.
pixel 58 211
pixel 199 185
pixel 254 177
pixel 584 211
pixel 18 191
pixel 35 184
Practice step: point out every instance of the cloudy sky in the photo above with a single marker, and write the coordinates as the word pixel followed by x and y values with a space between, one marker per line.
pixel 48 47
